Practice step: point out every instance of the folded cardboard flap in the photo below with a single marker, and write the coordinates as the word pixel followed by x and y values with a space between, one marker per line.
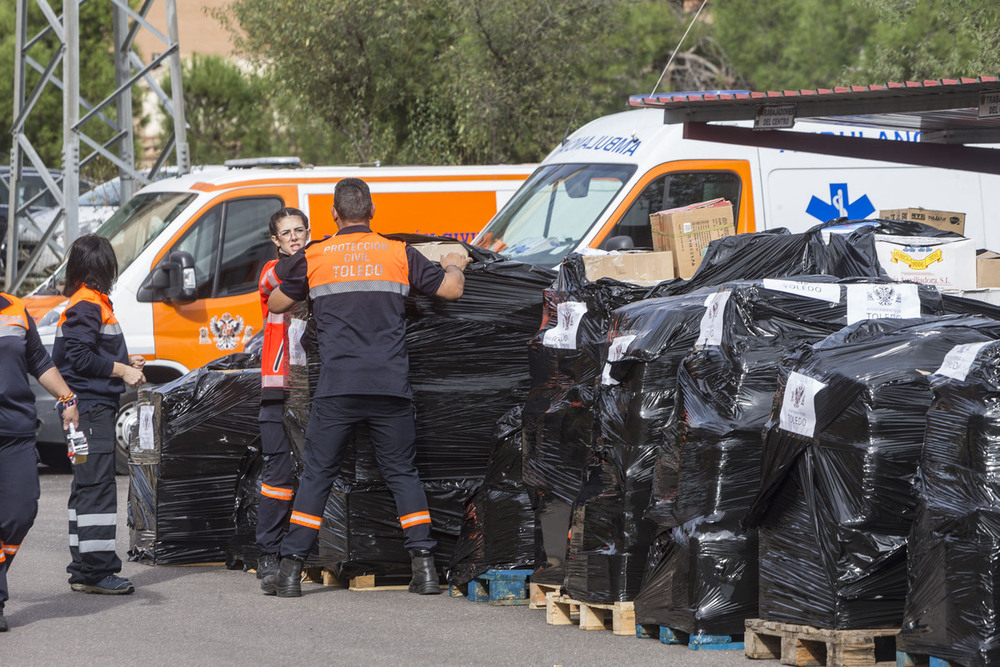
pixel 435 249
pixel 631 267
pixel 949 221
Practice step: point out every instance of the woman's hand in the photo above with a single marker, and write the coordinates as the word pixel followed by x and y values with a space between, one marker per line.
pixel 133 377
pixel 136 361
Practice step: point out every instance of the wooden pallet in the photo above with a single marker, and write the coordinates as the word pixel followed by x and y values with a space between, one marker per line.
pixel 804 645
pixel 697 642
pixel 368 582
pixel 618 617
pixel 497 587
pixel 537 592
pixel 904 659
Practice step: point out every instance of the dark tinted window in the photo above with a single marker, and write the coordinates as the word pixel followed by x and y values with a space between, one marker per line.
pixel 246 244
pixel 673 190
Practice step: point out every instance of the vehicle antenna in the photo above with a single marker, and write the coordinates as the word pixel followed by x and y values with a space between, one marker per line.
pixel 677 48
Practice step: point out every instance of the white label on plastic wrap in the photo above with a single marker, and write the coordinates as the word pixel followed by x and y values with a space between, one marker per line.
pixel 959 360
pixel 798 406
pixel 882 301
pixel 147 440
pixel 296 354
pixel 615 352
pixel 563 334
pixel 821 291
pixel 712 320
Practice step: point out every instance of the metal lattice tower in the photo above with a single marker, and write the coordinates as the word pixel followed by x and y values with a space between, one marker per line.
pixel 114 112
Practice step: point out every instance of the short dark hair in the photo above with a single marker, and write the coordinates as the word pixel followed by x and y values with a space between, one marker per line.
pixel 281 214
pixel 352 200
pixel 92 262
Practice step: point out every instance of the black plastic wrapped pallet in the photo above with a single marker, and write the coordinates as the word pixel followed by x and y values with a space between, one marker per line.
pixel 701 576
pixel 498 525
pixel 710 471
pixel 566 356
pixel 609 539
pixel 952 609
pixel 185 462
pixel 780 254
pixel 836 501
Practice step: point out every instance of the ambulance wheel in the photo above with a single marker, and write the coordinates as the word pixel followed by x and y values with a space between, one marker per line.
pixel 127 416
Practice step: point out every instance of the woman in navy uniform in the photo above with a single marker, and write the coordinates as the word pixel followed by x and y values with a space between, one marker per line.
pixel 90 352
pixel 21 354
pixel 289 229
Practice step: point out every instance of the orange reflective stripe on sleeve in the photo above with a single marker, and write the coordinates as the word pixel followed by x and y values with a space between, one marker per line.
pixel 307 520
pixel 414 519
pixel 275 492
pixel 11 548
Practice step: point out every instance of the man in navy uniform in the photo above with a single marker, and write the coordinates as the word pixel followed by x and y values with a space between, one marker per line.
pixel 358 282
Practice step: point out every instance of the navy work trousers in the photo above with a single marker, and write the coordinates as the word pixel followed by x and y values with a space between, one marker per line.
pixel 277 483
pixel 19 492
pixel 331 427
pixel 93 499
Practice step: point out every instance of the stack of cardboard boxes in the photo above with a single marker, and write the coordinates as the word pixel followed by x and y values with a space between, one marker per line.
pixel 686 232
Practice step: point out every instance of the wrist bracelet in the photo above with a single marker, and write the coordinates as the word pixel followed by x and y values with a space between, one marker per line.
pixel 67 398
pixel 455 265
pixel 63 402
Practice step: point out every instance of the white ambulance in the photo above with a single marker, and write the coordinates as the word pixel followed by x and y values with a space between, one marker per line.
pixel 190 250
pixel 598 187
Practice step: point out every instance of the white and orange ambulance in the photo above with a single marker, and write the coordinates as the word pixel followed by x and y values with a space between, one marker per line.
pixel 597 188
pixel 190 250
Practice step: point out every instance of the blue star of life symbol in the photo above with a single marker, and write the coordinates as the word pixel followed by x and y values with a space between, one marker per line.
pixel 840 205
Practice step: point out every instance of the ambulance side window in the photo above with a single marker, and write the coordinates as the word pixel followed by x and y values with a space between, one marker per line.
pixel 202 242
pixel 246 244
pixel 670 191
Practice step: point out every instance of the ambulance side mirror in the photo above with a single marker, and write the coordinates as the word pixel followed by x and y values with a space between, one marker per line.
pixel 173 279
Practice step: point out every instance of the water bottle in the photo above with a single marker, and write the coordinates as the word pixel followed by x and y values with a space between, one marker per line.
pixel 77 448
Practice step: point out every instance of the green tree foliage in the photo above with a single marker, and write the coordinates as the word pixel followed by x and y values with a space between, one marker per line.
pixel 233 113
pixel 791 44
pixel 44 126
pixel 455 81
pixel 930 39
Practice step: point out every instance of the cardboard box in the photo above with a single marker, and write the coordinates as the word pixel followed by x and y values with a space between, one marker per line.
pixel 434 249
pixel 947 263
pixel 643 268
pixel 946 220
pixel 987 269
pixel 687 231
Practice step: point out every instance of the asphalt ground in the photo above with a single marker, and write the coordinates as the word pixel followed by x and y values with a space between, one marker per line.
pixel 207 615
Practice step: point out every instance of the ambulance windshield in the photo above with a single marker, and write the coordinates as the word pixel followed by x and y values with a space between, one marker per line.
pixel 553 211
pixel 130 230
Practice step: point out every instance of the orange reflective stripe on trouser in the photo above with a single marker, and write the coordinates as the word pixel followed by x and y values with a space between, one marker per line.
pixel 307 520
pixel 276 492
pixel 414 519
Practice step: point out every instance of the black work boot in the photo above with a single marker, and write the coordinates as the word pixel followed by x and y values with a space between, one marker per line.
pixel 425 577
pixel 286 582
pixel 267 564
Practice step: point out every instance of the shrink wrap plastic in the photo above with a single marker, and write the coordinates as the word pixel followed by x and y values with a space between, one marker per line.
pixel 953 553
pixel 609 539
pixel 702 578
pixel 566 357
pixel 498 525
pixel 836 499
pixel 196 435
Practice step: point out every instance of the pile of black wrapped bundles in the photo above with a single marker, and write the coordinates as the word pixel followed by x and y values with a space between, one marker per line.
pixel 746 444
pixel 953 599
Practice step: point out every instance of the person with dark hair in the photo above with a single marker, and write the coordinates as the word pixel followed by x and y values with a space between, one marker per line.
pixel 90 352
pixel 289 229
pixel 358 282
pixel 21 354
